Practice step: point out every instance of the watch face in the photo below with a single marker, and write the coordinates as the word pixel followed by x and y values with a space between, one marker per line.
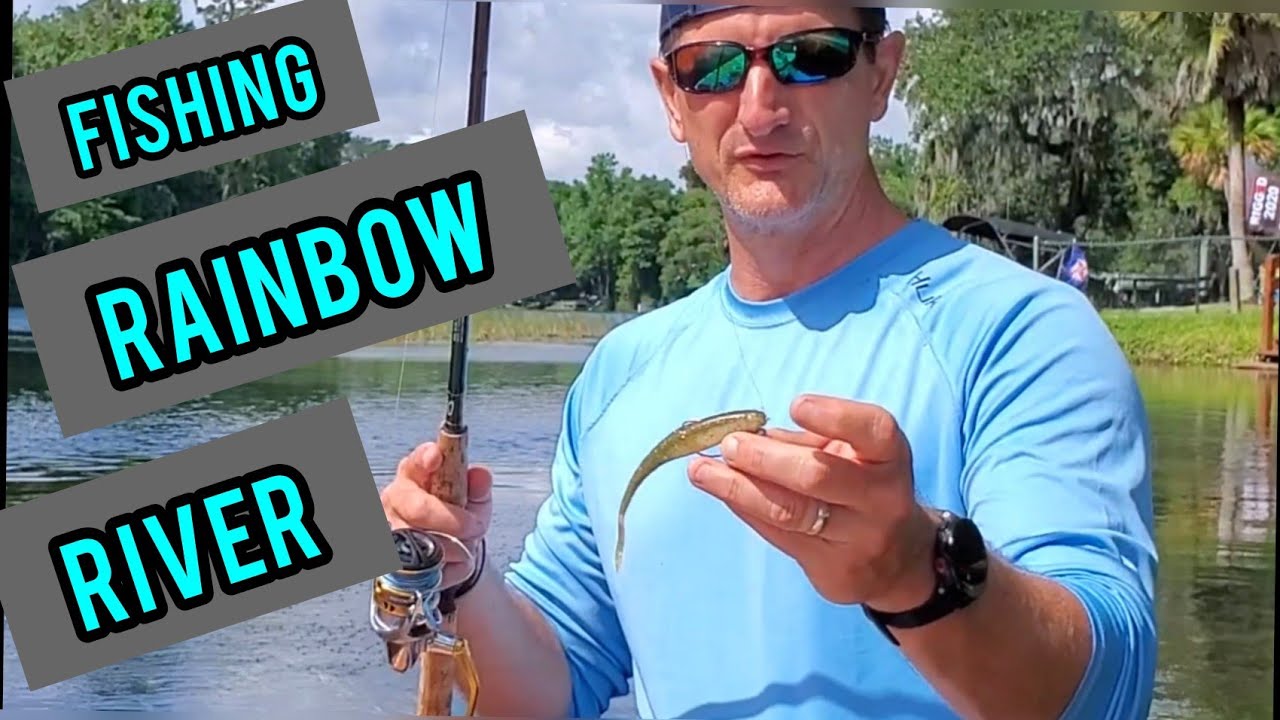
pixel 967 555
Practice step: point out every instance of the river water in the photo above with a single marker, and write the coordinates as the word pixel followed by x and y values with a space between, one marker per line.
pixel 1215 505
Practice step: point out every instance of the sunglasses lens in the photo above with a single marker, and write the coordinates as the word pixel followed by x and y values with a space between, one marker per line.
pixel 814 56
pixel 709 68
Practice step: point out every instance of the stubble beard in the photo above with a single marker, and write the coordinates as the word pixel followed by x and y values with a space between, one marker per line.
pixel 761 211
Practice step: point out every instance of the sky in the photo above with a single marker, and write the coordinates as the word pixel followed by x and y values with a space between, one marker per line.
pixel 579 70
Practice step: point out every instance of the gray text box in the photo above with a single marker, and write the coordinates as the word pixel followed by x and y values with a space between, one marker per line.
pixel 528 257
pixel 321 443
pixel 324 25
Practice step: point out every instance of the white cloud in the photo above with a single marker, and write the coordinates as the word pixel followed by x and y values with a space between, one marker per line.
pixel 579 70
pixel 566 149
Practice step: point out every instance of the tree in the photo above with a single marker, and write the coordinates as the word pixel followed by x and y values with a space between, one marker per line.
pixel 692 180
pixel 1025 114
pixel 216 11
pixel 644 207
pixel 1233 57
pixel 694 248
pixel 897 167
pixel 1201 140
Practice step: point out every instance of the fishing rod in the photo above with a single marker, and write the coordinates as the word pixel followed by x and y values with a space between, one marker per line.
pixel 410 609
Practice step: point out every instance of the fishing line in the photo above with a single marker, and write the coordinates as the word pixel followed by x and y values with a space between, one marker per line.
pixel 435 104
pixel 742 354
pixel 435 107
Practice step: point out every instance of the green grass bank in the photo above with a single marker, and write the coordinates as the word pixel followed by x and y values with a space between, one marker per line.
pixel 511 324
pixel 1213 337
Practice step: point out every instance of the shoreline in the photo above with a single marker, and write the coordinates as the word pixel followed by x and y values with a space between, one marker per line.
pixel 1242 364
pixel 1175 337
pixel 1213 338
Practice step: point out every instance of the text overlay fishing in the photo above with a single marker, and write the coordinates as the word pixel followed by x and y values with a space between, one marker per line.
pixel 152 117
pixel 191 101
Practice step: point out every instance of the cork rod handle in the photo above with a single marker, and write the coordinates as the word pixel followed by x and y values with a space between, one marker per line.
pixel 438 673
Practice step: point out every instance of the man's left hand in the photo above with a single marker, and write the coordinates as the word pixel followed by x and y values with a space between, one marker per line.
pixel 852 462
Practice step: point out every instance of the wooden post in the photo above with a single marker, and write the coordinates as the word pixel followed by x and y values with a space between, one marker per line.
pixel 1269 346
pixel 1202 269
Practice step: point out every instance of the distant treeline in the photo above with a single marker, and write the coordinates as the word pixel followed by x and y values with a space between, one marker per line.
pixel 1106 125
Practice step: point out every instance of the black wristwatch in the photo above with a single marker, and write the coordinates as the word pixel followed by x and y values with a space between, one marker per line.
pixel 960 566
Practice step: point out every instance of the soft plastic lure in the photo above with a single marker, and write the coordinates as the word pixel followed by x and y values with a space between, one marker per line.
pixel 692 437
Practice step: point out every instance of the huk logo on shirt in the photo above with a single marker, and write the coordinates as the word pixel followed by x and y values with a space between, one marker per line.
pixel 920 283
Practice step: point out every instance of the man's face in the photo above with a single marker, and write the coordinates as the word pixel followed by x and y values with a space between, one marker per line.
pixel 777 153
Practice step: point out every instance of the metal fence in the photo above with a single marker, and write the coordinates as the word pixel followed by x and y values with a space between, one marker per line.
pixel 1154 272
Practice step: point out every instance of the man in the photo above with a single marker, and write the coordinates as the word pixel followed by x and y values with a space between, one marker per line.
pixel 811 572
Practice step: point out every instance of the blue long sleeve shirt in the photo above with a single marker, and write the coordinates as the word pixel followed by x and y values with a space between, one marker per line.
pixel 1021 413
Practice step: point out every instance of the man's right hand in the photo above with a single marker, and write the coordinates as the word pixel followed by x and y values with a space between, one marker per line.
pixel 514 647
pixel 407 504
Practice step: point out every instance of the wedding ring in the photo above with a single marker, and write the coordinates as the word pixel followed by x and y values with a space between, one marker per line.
pixel 824 512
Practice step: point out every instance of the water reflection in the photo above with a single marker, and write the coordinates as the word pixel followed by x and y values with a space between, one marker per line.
pixel 1215 499
pixel 397 401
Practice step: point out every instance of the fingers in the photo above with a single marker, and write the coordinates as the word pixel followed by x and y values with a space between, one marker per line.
pixel 479 486
pixel 813 440
pixel 407 503
pixel 411 506
pixel 424 460
pixel 869 429
pixel 770 503
pixel 797 437
pixel 420 463
pixel 811 471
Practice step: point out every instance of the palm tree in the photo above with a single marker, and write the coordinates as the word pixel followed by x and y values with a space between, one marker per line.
pixel 1200 141
pixel 1234 57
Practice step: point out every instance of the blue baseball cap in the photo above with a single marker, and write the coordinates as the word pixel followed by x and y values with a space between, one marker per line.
pixel 672 16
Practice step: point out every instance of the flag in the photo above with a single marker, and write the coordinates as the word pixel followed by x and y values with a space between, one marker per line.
pixel 1073 268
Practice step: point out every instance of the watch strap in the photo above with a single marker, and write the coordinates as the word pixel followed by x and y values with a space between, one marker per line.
pixel 942 602
pixel 946 598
